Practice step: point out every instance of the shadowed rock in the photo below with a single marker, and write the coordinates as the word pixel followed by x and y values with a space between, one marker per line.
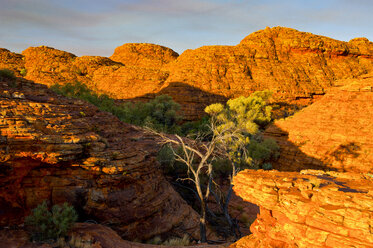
pixel 59 149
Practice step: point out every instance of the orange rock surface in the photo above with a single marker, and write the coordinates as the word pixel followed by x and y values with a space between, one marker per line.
pixel 59 149
pixel 334 133
pixel 12 61
pixel 293 64
pixel 308 209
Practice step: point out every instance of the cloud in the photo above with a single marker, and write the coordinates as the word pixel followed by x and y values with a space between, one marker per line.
pixel 100 26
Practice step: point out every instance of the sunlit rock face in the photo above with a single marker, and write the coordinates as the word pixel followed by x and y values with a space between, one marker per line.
pixel 294 65
pixel 328 207
pixel 334 133
pixel 10 60
pixel 58 149
pixel 308 209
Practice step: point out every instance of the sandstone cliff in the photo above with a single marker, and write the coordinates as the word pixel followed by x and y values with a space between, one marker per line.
pixel 59 149
pixel 294 65
pixel 334 133
pixel 308 209
pixel 290 63
pixel 12 61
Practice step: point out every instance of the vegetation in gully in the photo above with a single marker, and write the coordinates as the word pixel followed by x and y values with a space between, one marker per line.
pixel 203 153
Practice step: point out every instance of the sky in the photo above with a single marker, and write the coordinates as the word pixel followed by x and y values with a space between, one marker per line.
pixel 97 27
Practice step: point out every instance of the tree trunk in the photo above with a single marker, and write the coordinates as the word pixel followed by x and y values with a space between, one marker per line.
pixel 226 205
pixel 203 223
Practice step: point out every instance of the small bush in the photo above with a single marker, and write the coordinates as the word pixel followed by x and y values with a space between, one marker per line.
pixel 45 225
pixel 200 127
pixel 168 162
pixel 7 74
pixel 23 72
pixel 159 113
pixel 155 241
pixel 267 166
pixel 222 167
pixel 178 241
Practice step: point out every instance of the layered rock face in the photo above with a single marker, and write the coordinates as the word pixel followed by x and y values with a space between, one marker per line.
pixel 317 208
pixel 58 149
pixel 12 61
pixel 308 209
pixel 294 65
pixel 144 55
pixel 334 133
pixel 48 65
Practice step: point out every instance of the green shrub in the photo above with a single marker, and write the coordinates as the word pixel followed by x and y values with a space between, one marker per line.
pixel 155 241
pixel 194 128
pixel 178 241
pixel 7 74
pixel 222 167
pixel 239 123
pixel 267 166
pixel 169 164
pixel 23 72
pixel 45 225
pixel 262 150
pixel 159 113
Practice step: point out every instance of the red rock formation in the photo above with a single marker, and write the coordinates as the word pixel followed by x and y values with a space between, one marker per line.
pixel 62 149
pixel 48 66
pixel 292 64
pixel 12 61
pixel 144 55
pixel 308 209
pixel 335 133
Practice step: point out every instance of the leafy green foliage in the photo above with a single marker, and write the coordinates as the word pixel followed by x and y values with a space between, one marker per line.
pixel 168 162
pixel 23 72
pixel 238 123
pixel 159 114
pixel 200 128
pixel 7 74
pixel 184 241
pixel 267 166
pixel 45 225
pixel 222 167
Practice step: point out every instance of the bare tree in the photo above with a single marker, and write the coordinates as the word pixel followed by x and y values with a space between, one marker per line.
pixel 233 127
pixel 198 157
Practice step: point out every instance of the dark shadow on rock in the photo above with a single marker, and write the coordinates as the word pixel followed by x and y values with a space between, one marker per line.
pixel 192 100
pixel 291 157
pixel 343 151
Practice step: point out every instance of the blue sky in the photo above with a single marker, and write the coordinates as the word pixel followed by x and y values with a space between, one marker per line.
pixel 93 27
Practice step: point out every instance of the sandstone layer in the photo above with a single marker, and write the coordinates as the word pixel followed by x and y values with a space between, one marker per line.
pixel 59 149
pixel 294 65
pixel 334 133
pixel 308 209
